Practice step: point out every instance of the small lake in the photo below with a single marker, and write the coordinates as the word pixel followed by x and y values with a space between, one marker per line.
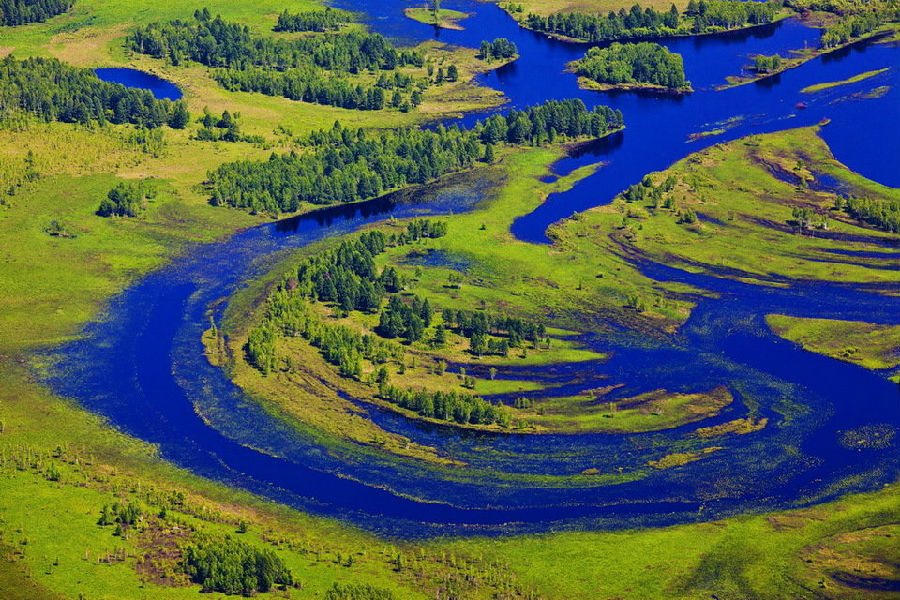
pixel 160 88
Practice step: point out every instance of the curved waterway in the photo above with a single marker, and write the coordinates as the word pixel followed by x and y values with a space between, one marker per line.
pixel 142 367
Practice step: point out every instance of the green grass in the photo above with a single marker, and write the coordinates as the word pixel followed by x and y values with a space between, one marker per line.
pixel 759 557
pixel 818 87
pixel 445 18
pixel 865 344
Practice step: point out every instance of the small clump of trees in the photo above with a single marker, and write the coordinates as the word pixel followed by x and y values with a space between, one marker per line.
pixel 230 566
pixel 500 48
pixel 320 21
pixel 767 64
pixel 126 200
pixel 641 63
pixel 223 129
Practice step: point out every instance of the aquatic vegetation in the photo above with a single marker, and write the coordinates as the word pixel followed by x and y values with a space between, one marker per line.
pixel 824 86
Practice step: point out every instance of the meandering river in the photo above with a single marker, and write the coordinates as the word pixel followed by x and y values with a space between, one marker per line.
pixel 141 366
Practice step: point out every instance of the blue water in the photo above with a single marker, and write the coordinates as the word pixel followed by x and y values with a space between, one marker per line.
pixel 160 88
pixel 141 365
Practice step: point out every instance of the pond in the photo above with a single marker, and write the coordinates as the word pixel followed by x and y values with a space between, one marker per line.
pixel 160 88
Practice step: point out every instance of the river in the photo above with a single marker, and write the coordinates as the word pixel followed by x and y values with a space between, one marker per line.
pixel 141 365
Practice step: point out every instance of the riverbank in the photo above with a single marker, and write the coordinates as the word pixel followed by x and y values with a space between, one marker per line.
pixel 805 55
pixel 585 83
pixel 445 19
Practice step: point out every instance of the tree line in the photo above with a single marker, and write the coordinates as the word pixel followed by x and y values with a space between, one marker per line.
pixel 705 16
pixel 549 121
pixel 452 406
pixel 884 214
pixel 20 12
pixel 346 165
pixel 644 62
pixel 55 91
pixel 319 21
pixel 299 69
pixel 499 48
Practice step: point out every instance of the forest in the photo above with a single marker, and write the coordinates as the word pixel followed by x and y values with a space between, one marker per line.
pixel 20 12
pixel 319 21
pixel 300 68
pixel 703 16
pixel 347 165
pixel 55 91
pixel 644 62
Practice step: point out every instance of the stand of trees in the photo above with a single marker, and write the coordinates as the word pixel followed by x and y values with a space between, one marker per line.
pixel 347 165
pixel 20 12
pixel 479 326
pixel 884 214
pixel 358 167
pixel 857 17
pixel 55 91
pixel 293 68
pixel 766 64
pixel 853 26
pixel 447 406
pixel 549 121
pixel 315 20
pixel 644 62
pixel 125 200
pixel 499 48
pixel 705 16
pixel 231 566
pixel 302 84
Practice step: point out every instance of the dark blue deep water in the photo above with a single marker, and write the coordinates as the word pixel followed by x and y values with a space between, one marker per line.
pixel 141 365
pixel 160 88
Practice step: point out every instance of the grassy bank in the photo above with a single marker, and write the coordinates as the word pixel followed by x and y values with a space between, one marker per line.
pixel 865 344
pixel 445 18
